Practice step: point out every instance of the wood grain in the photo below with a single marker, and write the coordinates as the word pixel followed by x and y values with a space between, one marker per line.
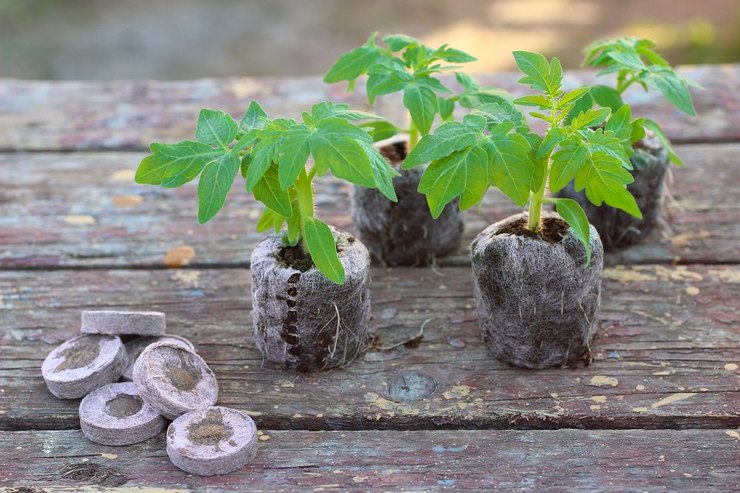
pixel 115 115
pixel 666 357
pixel 562 460
pixel 83 210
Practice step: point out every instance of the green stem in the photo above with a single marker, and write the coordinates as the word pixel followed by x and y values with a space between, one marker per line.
pixel 536 200
pixel 305 194
pixel 413 135
pixel 622 85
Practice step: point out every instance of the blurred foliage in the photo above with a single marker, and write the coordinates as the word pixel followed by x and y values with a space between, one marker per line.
pixel 173 39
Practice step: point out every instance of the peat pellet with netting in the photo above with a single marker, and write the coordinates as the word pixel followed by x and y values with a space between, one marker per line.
pixel 83 364
pixel 116 415
pixel 174 380
pixel 135 347
pixel 212 441
pixel 123 322
pixel 537 297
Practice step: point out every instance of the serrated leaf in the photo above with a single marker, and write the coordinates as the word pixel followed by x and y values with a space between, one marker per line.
pixel 581 105
pixel 254 118
pixel 397 42
pixel 462 174
pixel 380 130
pixel 379 84
pixel 382 171
pixel 534 100
pixel 573 214
pixel 572 96
pixel 512 167
pixel 421 103
pixel 452 55
pixel 448 138
pixel 446 108
pixel 322 247
pixel 673 88
pixel 607 97
pixel 468 83
pixel 216 128
pixel 334 147
pixel 293 154
pixel 265 153
pixel 352 64
pixel 538 72
pixel 620 125
pixel 175 164
pixel 552 139
pixel 433 84
pixel 605 180
pixel 566 163
pixel 590 118
pixel 268 191
pixel 660 134
pixel 215 183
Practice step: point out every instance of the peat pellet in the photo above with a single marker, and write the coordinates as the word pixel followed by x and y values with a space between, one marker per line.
pixel 116 415
pixel 212 441
pixel 120 322
pixel 174 380
pixel 83 364
pixel 135 347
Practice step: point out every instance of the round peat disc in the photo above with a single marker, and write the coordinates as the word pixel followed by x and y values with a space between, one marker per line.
pixel 116 415
pixel 118 322
pixel 211 441
pixel 174 380
pixel 84 364
pixel 135 347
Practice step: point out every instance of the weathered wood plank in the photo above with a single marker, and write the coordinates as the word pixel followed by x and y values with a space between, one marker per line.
pixel 36 115
pixel 83 210
pixel 667 355
pixel 572 460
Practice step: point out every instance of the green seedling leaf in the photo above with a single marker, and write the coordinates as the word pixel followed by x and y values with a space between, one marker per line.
pixel 175 164
pixel 215 183
pixel 269 192
pixel 607 97
pixel 590 118
pixel 293 154
pixel 446 108
pixel 335 146
pixel 397 42
pixel 536 100
pixel 422 105
pixel 462 174
pixel 353 64
pixel 566 163
pixel 254 118
pixel 469 84
pixel 605 180
pixel 380 130
pixel 322 247
pixel 265 153
pixel 512 169
pixel 216 128
pixel 673 88
pixel 620 125
pixel 573 214
pixel 448 138
pixel 658 131
pixel 452 55
pixel 379 84
pixel 539 74
pixel 268 219
pixel 382 171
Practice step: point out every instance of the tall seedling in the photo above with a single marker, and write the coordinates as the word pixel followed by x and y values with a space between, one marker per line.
pixel 272 155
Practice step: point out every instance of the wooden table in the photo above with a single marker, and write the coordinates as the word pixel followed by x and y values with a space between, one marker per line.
pixel 657 410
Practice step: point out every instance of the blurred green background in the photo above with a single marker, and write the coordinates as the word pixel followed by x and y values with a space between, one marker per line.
pixel 182 39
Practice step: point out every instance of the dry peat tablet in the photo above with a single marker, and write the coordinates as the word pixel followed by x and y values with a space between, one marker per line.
pixel 118 322
pixel 174 380
pixel 84 364
pixel 134 349
pixel 116 415
pixel 211 441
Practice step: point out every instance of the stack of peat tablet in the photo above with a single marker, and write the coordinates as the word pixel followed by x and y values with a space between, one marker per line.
pixel 162 378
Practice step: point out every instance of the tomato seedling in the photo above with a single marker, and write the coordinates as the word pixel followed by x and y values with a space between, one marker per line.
pixel 272 155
